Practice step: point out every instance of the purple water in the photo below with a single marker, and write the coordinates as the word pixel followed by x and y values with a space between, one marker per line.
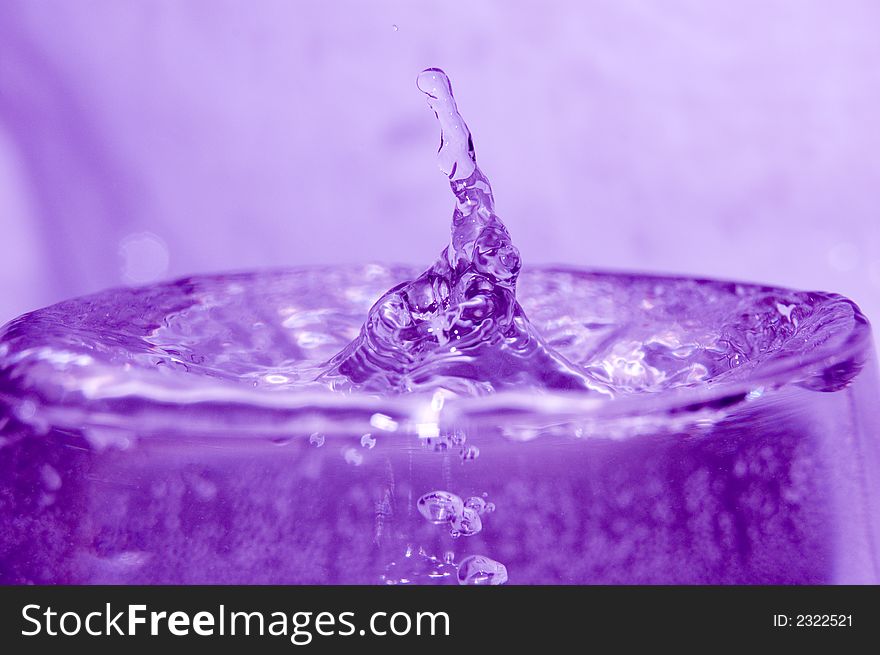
pixel 255 428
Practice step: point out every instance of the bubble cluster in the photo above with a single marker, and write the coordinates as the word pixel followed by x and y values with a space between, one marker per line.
pixel 446 508
pixel 440 507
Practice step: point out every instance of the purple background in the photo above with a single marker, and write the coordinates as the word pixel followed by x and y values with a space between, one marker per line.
pixel 146 140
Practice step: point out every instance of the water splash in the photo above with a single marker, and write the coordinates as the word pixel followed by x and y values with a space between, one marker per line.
pixel 458 325
pixel 118 384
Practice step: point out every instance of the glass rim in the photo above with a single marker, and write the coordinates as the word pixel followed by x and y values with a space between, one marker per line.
pixel 175 409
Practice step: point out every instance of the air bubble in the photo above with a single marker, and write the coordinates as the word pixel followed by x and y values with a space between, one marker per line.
pixel 468 523
pixel 480 570
pixel 440 507
pixel 316 439
pixel 367 441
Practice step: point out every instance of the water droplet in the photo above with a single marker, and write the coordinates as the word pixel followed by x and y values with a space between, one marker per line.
pixel 367 441
pixel 316 439
pixel 480 570
pixel 440 506
pixel 467 523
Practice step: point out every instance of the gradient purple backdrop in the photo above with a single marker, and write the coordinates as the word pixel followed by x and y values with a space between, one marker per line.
pixel 141 141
